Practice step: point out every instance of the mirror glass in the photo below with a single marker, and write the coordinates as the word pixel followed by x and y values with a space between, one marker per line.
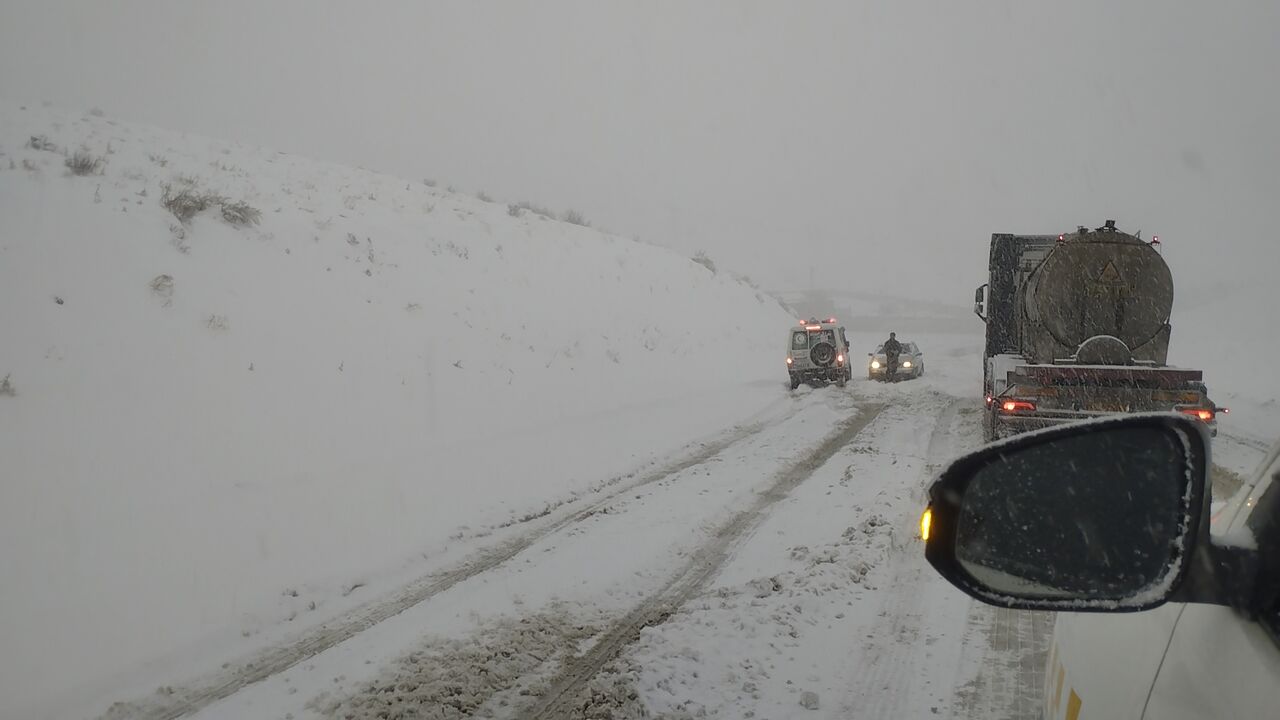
pixel 1100 516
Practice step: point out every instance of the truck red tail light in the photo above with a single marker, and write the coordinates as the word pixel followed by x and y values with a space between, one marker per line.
pixel 1017 406
pixel 1202 414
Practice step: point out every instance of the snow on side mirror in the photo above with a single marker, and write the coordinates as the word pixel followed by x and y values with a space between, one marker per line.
pixel 1102 516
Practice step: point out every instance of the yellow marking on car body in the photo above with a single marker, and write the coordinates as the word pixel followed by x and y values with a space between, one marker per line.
pixel 1073 706
pixel 1057 691
pixel 1056 679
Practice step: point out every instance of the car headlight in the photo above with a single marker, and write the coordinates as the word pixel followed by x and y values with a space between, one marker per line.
pixel 906 363
pixel 875 364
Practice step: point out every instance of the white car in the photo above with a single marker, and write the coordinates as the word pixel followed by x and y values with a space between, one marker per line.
pixel 910 363
pixel 1158 618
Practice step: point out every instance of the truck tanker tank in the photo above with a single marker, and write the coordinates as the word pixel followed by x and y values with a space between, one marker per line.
pixel 1102 283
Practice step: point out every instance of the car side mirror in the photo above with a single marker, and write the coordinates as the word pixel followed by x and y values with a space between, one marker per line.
pixel 1106 516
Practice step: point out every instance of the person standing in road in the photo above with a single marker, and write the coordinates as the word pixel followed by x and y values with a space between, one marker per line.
pixel 892 348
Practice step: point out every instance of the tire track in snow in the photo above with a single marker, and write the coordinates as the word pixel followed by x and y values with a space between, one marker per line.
pixel 889 668
pixel 1249 442
pixel 1010 645
pixel 564 694
pixel 1010 680
pixel 177 702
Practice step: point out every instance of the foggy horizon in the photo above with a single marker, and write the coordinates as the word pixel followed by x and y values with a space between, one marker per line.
pixel 874 148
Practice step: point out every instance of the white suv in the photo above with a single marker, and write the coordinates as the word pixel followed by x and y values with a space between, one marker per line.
pixel 818 352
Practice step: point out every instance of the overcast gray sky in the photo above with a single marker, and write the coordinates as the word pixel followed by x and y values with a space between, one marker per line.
pixel 877 143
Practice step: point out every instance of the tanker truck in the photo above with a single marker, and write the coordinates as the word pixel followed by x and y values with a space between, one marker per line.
pixel 1078 327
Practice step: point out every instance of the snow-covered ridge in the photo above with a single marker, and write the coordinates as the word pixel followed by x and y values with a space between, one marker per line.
pixel 213 425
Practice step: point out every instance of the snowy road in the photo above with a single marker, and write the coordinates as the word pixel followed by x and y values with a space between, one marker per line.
pixel 771 571
pixel 831 611
pixel 277 659
pixel 633 597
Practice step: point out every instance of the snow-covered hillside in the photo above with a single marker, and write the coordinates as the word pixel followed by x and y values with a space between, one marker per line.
pixel 218 428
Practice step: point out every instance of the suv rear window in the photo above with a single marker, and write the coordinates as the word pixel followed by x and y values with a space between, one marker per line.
pixel 805 339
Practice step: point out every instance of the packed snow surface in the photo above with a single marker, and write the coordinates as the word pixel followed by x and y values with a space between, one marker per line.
pixel 210 427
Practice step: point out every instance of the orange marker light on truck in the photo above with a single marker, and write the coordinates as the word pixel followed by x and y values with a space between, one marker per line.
pixel 926 520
